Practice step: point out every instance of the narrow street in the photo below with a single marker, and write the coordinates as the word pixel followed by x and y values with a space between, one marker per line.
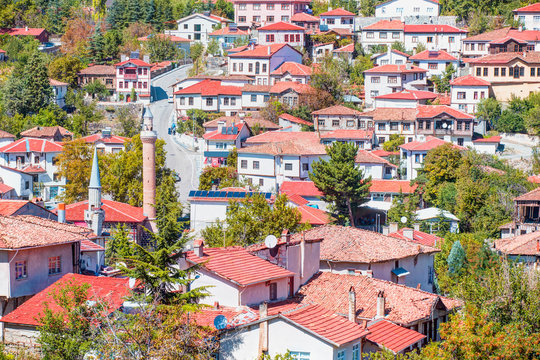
pixel 185 162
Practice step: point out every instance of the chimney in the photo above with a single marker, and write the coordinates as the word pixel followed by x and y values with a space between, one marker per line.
pixel 263 328
pixel 380 304
pixel 352 304
pixel 26 28
pixel 61 213
pixel 408 233
pixel 123 57
pixel 268 49
pixel 285 236
pixel 520 28
pixel 146 58
pixel 393 227
pixel 416 226
pixel 385 230
pixel 216 305
pixel 303 257
pixel 198 248
pixel 220 125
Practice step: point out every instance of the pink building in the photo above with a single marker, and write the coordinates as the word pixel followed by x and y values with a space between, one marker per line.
pixel 281 32
pixel 133 74
pixel 256 12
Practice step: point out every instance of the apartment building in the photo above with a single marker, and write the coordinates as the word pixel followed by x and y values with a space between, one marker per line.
pixel 402 8
pixel 391 121
pixel 467 91
pixel 281 32
pixel 434 61
pixel 250 12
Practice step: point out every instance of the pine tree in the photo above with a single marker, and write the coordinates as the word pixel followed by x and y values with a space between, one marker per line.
pixel 97 44
pixel 150 13
pixel 456 259
pixel 37 91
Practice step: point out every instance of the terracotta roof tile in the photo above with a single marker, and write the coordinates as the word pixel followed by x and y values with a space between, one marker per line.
pixel 304 17
pixel 337 12
pixel 31 145
pixel 112 139
pixel 367 157
pixel 433 55
pixel 491 139
pixel 419 237
pixel 533 195
pixel 5 189
pixel 297 199
pixel 235 316
pixel 430 111
pixel 348 134
pixel 54 82
pixel 337 110
pixel 279 26
pixel 506 39
pixel 238 265
pixel 99 70
pixel 114 212
pixel 211 88
pixel 10 207
pixel 281 136
pixel 229 32
pixel 529 8
pixel 347 48
pixel 391 336
pixel 23 231
pixel 403 305
pixel 6 135
pixel 293 68
pixel 348 244
pixel 385 114
pixel 111 291
pixel 46 131
pixel 385 25
pixel 256 88
pixel 302 188
pixel 391 186
pixel 525 245
pixel 535 179
pixel 313 216
pixel 88 246
pixel 469 80
pixel 301 146
pixel 295 119
pixel 409 95
pixel 391 68
pixel 260 51
pixel 33 169
pixel 218 135
pixel 431 28
pixel 137 62
pixel 430 143
pixel 22 31
pixel 384 153
pixel 504 58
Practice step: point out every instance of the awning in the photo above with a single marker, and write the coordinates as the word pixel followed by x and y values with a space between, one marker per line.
pixel 216 154
pixel 399 272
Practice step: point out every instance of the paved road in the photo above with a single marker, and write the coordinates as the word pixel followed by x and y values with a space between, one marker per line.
pixel 183 161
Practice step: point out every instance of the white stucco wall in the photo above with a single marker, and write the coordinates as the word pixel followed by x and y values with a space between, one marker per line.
pixel 402 8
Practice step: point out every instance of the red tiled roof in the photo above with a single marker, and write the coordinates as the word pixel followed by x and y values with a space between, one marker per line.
pixel 506 33
pixel 529 8
pixel 238 265
pixel 23 231
pixel 137 62
pixel 348 244
pixel 391 68
pixel 313 216
pixel 235 316
pixel 469 80
pixel 506 39
pixel 88 246
pixel 33 169
pixel 535 179
pixel 348 134
pixel 384 153
pixel 99 70
pixel 114 212
pixel 293 68
pixel 281 136
pixel 6 135
pixel 112 139
pixel 220 18
pixel 326 324
pixel 337 12
pixel 45 131
pixel 22 31
pixel 444 99
pixel 250 121
pixel 211 88
pixel 385 114
pixel 172 38
pixel 430 143
pixel 31 145
pixel 504 58
pixel 430 111
pixel 403 305
pixel 533 195
pixel 419 237
pixel 282 86
pixel 111 291
pixel 347 48
pixel 227 31
pixel 386 25
pixel 491 139
pixel 304 17
pixel 409 95
pixel 391 336
pixel 217 135
pixel 10 207
pixel 366 157
pixel 256 88
pixel 294 119
pixel 302 188
pixel 525 245
pixel 300 146
pixel 278 26
pixel 391 186
pixel 53 82
pixel 433 55
pixel 260 51
pixel 431 28
pixel 337 110
pixel 297 199
pixel 4 189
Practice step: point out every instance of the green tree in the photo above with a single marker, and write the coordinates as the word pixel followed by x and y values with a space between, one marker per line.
pixel 399 46
pixel 394 142
pixel 224 8
pixel 367 7
pixel 440 166
pixel 196 51
pixel 119 245
pixel 74 164
pixel 162 48
pixel 442 82
pixel 223 176
pixel 456 259
pixel 361 64
pixel 96 89
pixel 85 114
pixel 111 44
pixel 168 210
pixel 341 182
pixel 97 44
pixel 129 121
pixel 213 47
pixel 420 47
pixel 65 68
pixel 403 206
pixel 532 121
pixel 489 110
pixel 330 77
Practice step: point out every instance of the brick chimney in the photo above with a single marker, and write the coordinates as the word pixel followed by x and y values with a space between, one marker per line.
pixel 198 247
pixel 393 227
pixel 285 236
pixel 380 304
pixel 352 304
pixel 408 233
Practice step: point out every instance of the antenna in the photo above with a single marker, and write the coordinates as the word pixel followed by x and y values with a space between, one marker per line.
pixel 270 241
pixel 403 219
pixel 220 322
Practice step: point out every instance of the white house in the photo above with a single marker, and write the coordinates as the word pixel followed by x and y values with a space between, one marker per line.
pixel 392 56
pixel 37 158
pixel 434 61
pixel 320 50
pixel 219 143
pixel 364 139
pixel 434 37
pixel 209 95
pixel 489 145
pixel 387 79
pixel 529 16
pixel 255 97
pixel 433 215
pixel 198 27
pixel 21 183
pixel 248 13
pixel 344 53
pixel 133 76
pixel 337 19
pixel 281 32
pixel 336 117
pixel 59 92
pixel 404 99
pixel 261 60
pixel 6 138
pixel 467 91
pixel 375 166
pixel 294 123
pixel 383 32
pixel 292 71
pixel 107 142
pixel 412 155
pixel 402 8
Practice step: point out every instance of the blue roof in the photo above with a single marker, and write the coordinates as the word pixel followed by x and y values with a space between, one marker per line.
pixel 399 272
pixel 95 178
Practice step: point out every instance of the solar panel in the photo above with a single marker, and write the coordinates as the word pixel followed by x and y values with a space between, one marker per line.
pixel 192 193
pixel 268 195
pixel 198 193
pixel 204 193
pixel 223 130
pixel 230 194
pixel 211 194
pixel 235 130
pixel 236 194
pixel 222 194
pixel 229 131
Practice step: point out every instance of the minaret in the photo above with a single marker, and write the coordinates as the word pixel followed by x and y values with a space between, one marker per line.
pixel 95 216
pixel 148 138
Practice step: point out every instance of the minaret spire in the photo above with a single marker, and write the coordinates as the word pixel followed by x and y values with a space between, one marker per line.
pixel 148 138
pixel 95 216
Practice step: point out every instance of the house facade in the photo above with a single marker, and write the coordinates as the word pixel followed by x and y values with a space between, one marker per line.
pixel 528 16
pixel 218 144
pixel 390 121
pixel 228 36
pixel 434 37
pixel 467 91
pixel 393 57
pixel 105 74
pixel 383 32
pixel 211 96
pixel 59 89
pixel 526 218
pixel 337 19
pixel 435 62
pixel 412 155
pixel 336 117
pixel 133 76
pixel 281 32
pixel 292 71
pixel 402 8
pixel 250 12
pixel 198 27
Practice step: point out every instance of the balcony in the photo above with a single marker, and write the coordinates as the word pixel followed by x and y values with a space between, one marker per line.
pixel 130 76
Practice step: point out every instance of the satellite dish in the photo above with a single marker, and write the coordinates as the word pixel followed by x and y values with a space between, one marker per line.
pixel 220 322
pixel 270 241
pixel 403 219
pixel 131 282
pixel 444 125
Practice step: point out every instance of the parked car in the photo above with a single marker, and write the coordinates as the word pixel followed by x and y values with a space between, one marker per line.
pixel 171 98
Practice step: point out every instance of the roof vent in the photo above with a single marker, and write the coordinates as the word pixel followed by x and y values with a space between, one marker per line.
pixel 106 132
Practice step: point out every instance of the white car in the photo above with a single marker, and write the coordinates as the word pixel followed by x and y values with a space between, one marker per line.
pixel 171 98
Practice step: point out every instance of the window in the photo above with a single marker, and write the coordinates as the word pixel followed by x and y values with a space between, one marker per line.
pixel 284 6
pixel 250 67
pixel 126 84
pixel 416 9
pixel 451 39
pixel 375 80
pixel 288 166
pixel 406 126
pixel 241 67
pixel 459 125
pixel 467 126
pixel 190 100
pixel 242 19
pixel 269 6
pixel 21 271
pixel 417 158
pixel 321 122
pixel 503 71
pixel 420 125
pixel 392 79
pixel 256 19
pixel 374 93
pixel 432 66
pixel 475 96
pixel 382 35
pixel 300 355
pixel 486 71
pixel 370 35
pixel 341 355
pixel 394 126
pixel 182 101
pixel 399 10
pixel 428 125
pixel 305 167
pixel 297 37
pixel 429 39
pixel 255 165
pixel 285 18
pixel 356 352
pixel 209 102
pixel 197 36
pixel 381 126
pixel 335 123
pixel 55 265
pixel 495 71
pixel 256 6
pixel 27 185
pixel 521 71
pixel 264 69
pixel 481 94
pixel 243 164
pixel 139 71
pixel 225 101
pixel 478 71
pixel 536 18
pixel 395 35
pixel 253 98
pixel 121 83
pixel 330 21
pixel 234 67
pixel 350 123
pixel 273 291
pixel 233 101
pixel 415 39
pixel 461 95
pixel 270 19
pixel 240 7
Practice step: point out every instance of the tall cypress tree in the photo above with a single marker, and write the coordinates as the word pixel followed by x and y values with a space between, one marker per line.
pixel 35 82
pixel 97 44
